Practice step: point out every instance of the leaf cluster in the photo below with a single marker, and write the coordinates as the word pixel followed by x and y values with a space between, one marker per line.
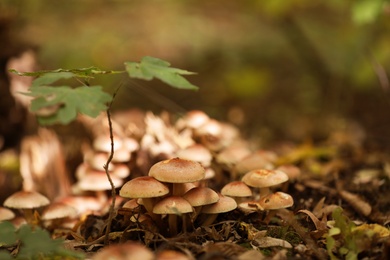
pixel 61 104
pixel 31 243
pixel 345 239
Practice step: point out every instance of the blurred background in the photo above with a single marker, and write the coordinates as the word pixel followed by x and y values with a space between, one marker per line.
pixel 280 70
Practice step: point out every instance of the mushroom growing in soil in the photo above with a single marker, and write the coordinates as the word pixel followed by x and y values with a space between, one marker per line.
pixel 237 190
pixel 177 171
pixel 27 201
pixel 147 188
pixel 275 201
pixel 264 179
pixel 198 197
pixel 173 206
pixel 224 204
pixel 58 212
pixel 6 214
pixel 125 251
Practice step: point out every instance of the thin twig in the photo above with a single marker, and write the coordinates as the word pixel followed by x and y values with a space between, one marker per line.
pixel 111 213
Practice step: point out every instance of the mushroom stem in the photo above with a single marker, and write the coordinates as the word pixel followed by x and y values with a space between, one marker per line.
pixel 172 222
pixel 178 189
pixel 210 218
pixel 264 192
pixel 148 203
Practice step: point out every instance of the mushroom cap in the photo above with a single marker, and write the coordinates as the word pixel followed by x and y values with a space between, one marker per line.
pixel 97 181
pixel 236 189
pixel 195 118
pixel 257 160
pixel 201 196
pixel 262 178
pixel 277 200
pixel 172 205
pixel 125 251
pixel 6 214
pixel 224 204
pixel 58 210
pixel 196 152
pixel 250 206
pixel 143 187
pixel 177 170
pixel 169 254
pixel 26 200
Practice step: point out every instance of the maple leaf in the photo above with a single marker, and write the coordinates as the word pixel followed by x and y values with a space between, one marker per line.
pixel 64 102
pixel 151 67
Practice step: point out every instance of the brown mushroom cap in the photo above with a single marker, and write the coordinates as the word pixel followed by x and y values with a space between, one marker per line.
pixel 257 160
pixel 177 170
pixel 6 214
pixel 58 210
pixel 201 196
pixel 26 200
pixel 97 181
pixel 262 178
pixel 125 251
pixel 197 153
pixel 143 187
pixel 236 189
pixel 277 200
pixel 172 205
pixel 224 204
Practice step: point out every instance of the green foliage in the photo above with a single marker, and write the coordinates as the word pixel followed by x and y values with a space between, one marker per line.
pixel 151 67
pixel 345 239
pixel 61 104
pixel 32 243
pixel 366 11
pixel 67 102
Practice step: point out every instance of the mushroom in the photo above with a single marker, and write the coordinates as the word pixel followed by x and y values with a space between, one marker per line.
pixel 224 204
pixel 6 214
pixel 26 201
pixel 57 212
pixel 177 171
pixel 125 251
pixel 264 179
pixel 198 197
pixel 173 206
pixel 237 190
pixel 197 153
pixel 260 159
pixel 169 254
pixel 275 201
pixel 97 182
pixel 147 188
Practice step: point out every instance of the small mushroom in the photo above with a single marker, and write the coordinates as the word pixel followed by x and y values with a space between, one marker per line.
pixel 198 197
pixel 264 179
pixel 57 212
pixel 224 204
pixel 173 206
pixel 237 190
pixel 125 251
pixel 147 188
pixel 6 214
pixel 27 201
pixel 177 171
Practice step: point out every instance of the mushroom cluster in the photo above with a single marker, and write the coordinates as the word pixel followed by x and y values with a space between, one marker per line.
pixel 184 173
pixel 170 194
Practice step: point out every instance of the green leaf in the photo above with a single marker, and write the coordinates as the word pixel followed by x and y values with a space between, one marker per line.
pixel 366 11
pixel 7 234
pixel 89 72
pixel 151 67
pixel 36 242
pixel 64 103
pixel 51 77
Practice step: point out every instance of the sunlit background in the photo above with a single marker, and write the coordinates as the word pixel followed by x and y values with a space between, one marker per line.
pixel 291 70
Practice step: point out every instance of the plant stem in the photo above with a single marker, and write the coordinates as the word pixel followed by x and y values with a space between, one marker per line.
pixel 111 213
